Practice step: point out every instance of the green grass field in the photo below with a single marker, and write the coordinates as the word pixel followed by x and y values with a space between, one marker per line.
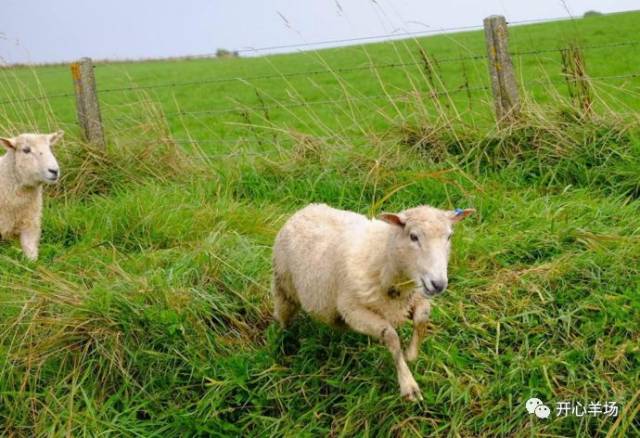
pixel 148 312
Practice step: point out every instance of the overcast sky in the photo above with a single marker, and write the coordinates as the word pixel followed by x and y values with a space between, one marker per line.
pixel 63 30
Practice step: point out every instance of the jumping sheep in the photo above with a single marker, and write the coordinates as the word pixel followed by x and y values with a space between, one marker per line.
pixel 27 165
pixel 344 269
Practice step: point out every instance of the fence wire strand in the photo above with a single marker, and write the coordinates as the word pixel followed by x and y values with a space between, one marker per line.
pixel 347 69
pixel 337 71
pixel 243 108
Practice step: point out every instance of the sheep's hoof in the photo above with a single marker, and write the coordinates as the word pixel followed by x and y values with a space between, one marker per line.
pixel 412 393
pixel 411 354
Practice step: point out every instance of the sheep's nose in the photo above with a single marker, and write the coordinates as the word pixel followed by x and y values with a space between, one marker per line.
pixel 440 285
pixel 54 172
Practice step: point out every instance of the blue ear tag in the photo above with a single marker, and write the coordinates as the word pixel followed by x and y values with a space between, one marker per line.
pixel 458 211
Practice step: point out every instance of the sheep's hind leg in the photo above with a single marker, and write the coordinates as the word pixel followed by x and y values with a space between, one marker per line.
pixel 284 308
pixel 421 311
pixel 369 323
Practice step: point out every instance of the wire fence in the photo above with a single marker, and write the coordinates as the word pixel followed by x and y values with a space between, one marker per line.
pixel 307 73
pixel 424 61
pixel 392 97
pixel 248 109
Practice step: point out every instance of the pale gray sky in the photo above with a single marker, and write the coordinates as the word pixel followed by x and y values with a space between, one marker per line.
pixel 63 30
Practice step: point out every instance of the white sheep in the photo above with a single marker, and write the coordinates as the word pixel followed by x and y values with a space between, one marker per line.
pixel 24 168
pixel 371 275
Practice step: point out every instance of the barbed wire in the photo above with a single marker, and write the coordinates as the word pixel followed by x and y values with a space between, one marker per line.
pixel 176 84
pixel 327 71
pixel 460 89
pixel 239 79
pixel 246 108
pixel 36 98
pixel 281 75
pixel 274 140
pixel 227 142
pixel 559 49
pixel 5 68
pixel 398 35
pixel 630 76
pixel 564 77
pixel 395 98
pixel 345 69
pixel 250 108
pixel 355 39
pixel 270 140
pixel 37 70
pixel 390 35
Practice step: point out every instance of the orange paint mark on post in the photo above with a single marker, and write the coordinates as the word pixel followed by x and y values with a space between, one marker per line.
pixel 75 71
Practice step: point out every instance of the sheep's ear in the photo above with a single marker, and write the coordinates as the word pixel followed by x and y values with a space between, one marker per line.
pixel 8 143
pixel 55 137
pixel 458 214
pixel 393 219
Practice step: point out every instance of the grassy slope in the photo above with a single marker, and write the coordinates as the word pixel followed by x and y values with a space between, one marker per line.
pixel 149 311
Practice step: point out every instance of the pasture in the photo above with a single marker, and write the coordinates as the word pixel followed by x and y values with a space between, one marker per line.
pixel 149 314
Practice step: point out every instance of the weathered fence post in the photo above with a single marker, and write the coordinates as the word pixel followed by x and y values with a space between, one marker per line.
pixel 503 79
pixel 87 105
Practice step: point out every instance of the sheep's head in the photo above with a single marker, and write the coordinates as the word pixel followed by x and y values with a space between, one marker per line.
pixel 35 163
pixel 422 245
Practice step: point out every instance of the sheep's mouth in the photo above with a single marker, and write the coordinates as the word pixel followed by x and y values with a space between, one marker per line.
pixel 425 290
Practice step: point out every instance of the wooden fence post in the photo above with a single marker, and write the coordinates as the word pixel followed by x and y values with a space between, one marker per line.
pixel 87 105
pixel 503 79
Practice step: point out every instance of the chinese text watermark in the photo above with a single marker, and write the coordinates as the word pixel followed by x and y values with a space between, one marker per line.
pixel 572 408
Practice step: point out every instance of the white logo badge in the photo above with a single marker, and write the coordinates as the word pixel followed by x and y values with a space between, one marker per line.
pixel 535 406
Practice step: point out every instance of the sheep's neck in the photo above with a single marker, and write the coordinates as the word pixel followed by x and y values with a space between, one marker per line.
pixel 391 273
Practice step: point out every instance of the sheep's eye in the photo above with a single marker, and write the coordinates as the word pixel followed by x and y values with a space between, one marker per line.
pixel 413 237
pixel 26 150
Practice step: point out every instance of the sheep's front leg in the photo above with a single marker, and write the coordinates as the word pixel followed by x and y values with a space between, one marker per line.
pixel 421 312
pixel 29 240
pixel 369 323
